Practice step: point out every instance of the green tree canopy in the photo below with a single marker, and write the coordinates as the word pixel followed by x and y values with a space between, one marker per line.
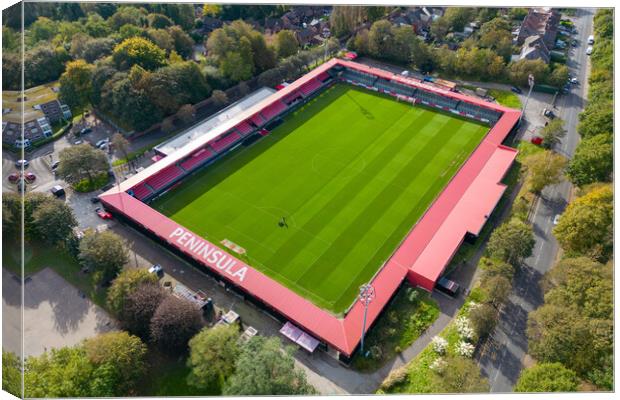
pixel 104 253
pixel 461 375
pixel 547 377
pixel 124 284
pixel 140 306
pixel 11 373
pixel 286 43
pixel 75 83
pixel 511 242
pixel 54 221
pixel 593 161
pixel 263 368
pixel 138 51
pixel 212 357
pixel 586 226
pixel 520 70
pixel 81 162
pixel 174 323
pixel 552 133
pixel 544 169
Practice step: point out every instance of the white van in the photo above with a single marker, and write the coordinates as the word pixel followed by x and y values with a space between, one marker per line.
pixel 591 39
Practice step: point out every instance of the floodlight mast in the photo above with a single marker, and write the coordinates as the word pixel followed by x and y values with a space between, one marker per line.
pixel 367 295
pixel 530 82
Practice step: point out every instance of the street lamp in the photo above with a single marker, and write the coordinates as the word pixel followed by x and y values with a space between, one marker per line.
pixel 326 35
pixel 530 82
pixel 367 295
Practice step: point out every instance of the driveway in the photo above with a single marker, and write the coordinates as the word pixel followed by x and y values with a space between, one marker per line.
pixel 55 314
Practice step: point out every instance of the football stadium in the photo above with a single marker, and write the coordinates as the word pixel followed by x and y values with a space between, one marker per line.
pixel 350 175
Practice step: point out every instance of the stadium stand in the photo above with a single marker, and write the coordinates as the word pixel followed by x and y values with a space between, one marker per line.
pixel 196 159
pixel 291 97
pixel 323 77
pixel 437 100
pixel 257 119
pixel 359 77
pixel 140 191
pixel 477 111
pixel 273 110
pixel 225 142
pixel 310 87
pixel 164 177
pixel 395 87
pixel 244 128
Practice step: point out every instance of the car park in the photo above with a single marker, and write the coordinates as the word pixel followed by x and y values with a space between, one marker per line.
pixel 30 177
pixel 14 177
pixel 448 287
pixel 22 163
pixel 103 214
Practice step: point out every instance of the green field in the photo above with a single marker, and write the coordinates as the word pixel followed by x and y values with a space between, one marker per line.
pixel 352 171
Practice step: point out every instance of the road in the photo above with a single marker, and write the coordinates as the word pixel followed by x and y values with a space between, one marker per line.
pixel 505 353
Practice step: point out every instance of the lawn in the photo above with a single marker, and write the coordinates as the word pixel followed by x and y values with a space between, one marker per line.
pixel 506 98
pixel 38 256
pixel 351 172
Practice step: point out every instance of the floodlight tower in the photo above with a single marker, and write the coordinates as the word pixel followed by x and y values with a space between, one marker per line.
pixel 530 82
pixel 326 35
pixel 367 295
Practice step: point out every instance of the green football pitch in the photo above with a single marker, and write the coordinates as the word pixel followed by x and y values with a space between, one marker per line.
pixel 351 173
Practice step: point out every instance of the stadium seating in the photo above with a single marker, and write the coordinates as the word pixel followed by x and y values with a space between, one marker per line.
pixel 310 87
pixel 273 110
pixel 225 142
pixel 359 77
pixel 291 97
pixel 257 119
pixel 164 177
pixel 323 77
pixel 436 99
pixel 140 191
pixel 244 128
pixel 196 159
pixel 477 111
pixel 395 87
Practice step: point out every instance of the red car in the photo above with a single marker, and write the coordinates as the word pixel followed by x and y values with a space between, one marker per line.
pixel 13 177
pixel 30 177
pixel 103 214
pixel 537 140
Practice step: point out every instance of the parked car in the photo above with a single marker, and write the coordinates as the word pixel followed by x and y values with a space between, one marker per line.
pixel 548 113
pixel 103 214
pixel 591 39
pixel 20 163
pixel 58 191
pixel 537 140
pixel 13 177
pixel 78 142
pixel 102 143
pixel 55 165
pixel 556 219
pixel 94 199
pixel 30 177
pixel 516 90
pixel 448 287
pixel 589 50
pixel 157 270
pixel 574 81
pixel 85 131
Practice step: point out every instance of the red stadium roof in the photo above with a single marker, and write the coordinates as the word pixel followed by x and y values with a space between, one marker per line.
pixel 462 207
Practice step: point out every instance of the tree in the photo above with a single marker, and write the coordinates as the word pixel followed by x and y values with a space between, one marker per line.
pixel 381 39
pixel 559 76
pixel 159 21
pixel 439 28
pixel 492 268
pixel 586 226
pixel 544 169
pixel 139 307
pixel 461 375
pixel 235 67
pixel 552 133
pixel 483 318
pixel 174 323
pixel 124 284
pixel 220 98
pixel 183 43
pixel 104 253
pixel 344 19
pixel 519 71
pixel 211 10
pixel 81 162
pixel 96 26
pixel 121 145
pixel 547 377
pixel 161 38
pixel 187 113
pixel 497 289
pixel 263 368
pixel 127 15
pixel 54 221
pixel 458 17
pixel 43 64
pixel 11 373
pixel 138 51
pixel 511 242
pixel 123 353
pixel 75 83
pixel 212 356
pixel 592 161
pixel 11 40
pixel 596 119
pixel 43 29
pixel 286 43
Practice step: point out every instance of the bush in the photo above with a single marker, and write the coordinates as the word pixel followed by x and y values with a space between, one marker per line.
pixel 85 186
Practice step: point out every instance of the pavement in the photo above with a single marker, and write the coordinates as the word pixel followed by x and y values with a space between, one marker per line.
pixel 55 314
pixel 505 354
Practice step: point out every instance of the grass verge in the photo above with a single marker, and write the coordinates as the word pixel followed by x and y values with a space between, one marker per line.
pixel 506 98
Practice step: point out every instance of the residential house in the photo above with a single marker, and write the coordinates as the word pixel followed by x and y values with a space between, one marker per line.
pixel 542 22
pixel 534 48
